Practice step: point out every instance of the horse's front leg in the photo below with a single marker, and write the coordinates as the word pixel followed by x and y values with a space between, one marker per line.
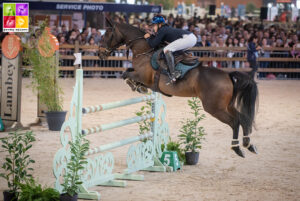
pixel 125 74
pixel 130 82
pixel 132 79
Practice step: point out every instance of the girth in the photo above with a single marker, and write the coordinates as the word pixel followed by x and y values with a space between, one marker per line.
pixel 156 82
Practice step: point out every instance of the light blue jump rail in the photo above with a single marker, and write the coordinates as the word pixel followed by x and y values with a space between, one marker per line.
pixel 99 170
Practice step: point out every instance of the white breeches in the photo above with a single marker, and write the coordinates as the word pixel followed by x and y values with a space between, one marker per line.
pixel 186 42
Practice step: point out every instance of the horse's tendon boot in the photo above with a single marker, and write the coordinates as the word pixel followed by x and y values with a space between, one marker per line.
pixel 236 148
pixel 131 84
pixel 250 147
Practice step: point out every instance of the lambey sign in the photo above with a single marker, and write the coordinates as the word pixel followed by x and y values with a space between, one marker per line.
pixel 11 94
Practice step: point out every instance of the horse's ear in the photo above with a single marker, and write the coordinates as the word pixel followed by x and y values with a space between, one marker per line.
pixel 109 23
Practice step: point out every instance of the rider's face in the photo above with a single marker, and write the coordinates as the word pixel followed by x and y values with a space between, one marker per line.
pixel 155 27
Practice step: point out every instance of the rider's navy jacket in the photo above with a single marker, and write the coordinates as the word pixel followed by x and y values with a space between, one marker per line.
pixel 166 33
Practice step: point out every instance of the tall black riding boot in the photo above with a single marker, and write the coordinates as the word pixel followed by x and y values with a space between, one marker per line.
pixel 171 64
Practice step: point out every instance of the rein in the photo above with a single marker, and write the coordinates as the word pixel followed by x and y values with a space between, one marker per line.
pixel 129 45
pixel 110 50
pixel 144 53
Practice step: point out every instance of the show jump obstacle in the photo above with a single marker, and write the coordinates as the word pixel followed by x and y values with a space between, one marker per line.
pixel 143 155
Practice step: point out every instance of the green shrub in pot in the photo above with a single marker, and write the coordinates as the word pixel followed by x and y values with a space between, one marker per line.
pixel 44 80
pixel 76 164
pixel 17 161
pixel 191 134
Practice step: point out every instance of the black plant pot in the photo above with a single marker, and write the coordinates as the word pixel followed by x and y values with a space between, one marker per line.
pixel 55 120
pixel 191 158
pixel 10 196
pixel 67 197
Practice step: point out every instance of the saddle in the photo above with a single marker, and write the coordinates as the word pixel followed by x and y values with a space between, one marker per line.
pixel 184 62
pixel 185 57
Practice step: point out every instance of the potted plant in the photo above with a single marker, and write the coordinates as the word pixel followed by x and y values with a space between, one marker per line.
pixel 44 78
pixel 191 134
pixel 16 161
pixel 78 148
pixel 32 191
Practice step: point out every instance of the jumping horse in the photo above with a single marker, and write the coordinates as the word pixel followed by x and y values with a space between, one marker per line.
pixel 231 97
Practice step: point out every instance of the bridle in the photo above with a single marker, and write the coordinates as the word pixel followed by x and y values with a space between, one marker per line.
pixel 108 51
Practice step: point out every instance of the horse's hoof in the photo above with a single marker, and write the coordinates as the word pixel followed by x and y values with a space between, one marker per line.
pixel 142 90
pixel 253 149
pixel 238 151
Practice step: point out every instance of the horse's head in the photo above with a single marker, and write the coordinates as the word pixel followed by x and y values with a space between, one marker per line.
pixel 112 39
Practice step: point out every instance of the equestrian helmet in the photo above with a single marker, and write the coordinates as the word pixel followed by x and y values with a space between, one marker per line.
pixel 158 20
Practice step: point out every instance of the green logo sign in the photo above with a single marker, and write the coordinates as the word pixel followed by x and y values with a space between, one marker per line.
pixel 15 17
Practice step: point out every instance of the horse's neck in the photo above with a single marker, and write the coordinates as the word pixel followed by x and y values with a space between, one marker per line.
pixel 140 47
pixel 137 47
pixel 141 56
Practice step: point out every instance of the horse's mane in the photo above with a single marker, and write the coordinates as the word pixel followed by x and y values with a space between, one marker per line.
pixel 132 33
pixel 129 30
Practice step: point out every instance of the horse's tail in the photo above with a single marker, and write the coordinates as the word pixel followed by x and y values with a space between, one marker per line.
pixel 245 96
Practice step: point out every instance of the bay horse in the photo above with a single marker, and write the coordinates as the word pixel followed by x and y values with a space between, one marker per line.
pixel 231 97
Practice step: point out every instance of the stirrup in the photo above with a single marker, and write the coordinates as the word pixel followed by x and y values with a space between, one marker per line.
pixel 171 81
pixel 173 77
pixel 176 74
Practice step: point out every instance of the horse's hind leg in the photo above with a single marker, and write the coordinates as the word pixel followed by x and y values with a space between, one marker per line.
pixel 248 145
pixel 232 120
pixel 235 127
pixel 246 131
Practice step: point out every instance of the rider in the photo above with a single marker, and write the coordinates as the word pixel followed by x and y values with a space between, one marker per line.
pixel 178 39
